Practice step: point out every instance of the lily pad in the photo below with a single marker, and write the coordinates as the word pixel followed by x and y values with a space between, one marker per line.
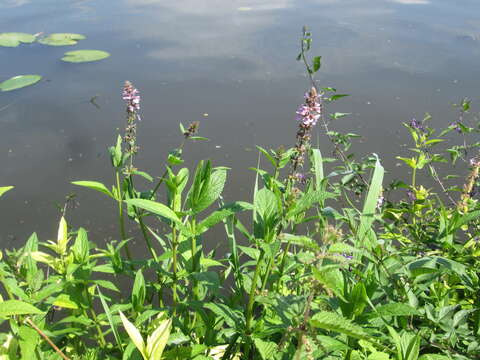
pixel 19 81
pixel 80 56
pixel 61 39
pixel 14 39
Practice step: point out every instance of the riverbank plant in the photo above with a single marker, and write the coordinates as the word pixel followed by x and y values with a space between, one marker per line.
pixel 325 261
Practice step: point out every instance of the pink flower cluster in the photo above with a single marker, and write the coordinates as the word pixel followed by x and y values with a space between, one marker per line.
pixel 309 112
pixel 132 97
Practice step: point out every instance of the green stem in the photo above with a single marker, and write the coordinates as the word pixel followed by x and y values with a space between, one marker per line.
pixel 174 264
pixel 251 298
pixel 120 215
pixel 282 265
pixel 101 338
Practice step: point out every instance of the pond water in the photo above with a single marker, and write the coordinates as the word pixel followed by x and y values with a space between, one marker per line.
pixel 230 65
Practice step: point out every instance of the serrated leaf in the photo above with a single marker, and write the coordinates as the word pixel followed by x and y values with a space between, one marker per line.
pixel 334 322
pixel 266 348
pixel 211 191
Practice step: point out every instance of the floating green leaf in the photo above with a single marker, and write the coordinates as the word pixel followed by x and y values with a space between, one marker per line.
pixel 4 189
pixel 14 39
pixel 61 39
pixel 19 81
pixel 80 56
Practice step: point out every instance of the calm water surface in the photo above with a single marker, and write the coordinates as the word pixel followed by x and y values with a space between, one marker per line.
pixel 232 60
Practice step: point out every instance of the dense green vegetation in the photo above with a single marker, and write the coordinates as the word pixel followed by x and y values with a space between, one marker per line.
pixel 325 262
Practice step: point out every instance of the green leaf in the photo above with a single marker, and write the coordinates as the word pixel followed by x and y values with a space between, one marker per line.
pixel 316 159
pixel 332 278
pixel 433 357
pixel 80 56
pixel 134 335
pixel 266 204
pixel 81 246
pixel 61 39
pixel 308 200
pixel 299 240
pixel 396 309
pixel 370 205
pixel 27 339
pixel 211 190
pixel 221 214
pixel 94 185
pixel 4 189
pixel 317 62
pixel 108 313
pixel 155 208
pixel 233 318
pixel 267 349
pixel 65 301
pixel 138 291
pixel 15 38
pixel 16 307
pixel 18 82
pixel 334 322
pixel 158 339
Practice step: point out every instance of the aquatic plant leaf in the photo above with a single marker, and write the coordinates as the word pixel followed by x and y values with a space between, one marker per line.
pixel 18 82
pixel 4 189
pixel 80 56
pixel 16 307
pixel 14 39
pixel 61 39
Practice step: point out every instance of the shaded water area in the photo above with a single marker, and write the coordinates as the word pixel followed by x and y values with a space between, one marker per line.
pixel 230 65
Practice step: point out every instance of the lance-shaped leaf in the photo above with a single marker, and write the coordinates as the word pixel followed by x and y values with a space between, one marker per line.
pixel 135 335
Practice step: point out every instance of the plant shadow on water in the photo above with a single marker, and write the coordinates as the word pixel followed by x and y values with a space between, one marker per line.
pixel 322 263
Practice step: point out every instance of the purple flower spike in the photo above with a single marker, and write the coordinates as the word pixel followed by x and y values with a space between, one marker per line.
pixel 132 97
pixel 456 127
pixel 417 125
pixel 309 112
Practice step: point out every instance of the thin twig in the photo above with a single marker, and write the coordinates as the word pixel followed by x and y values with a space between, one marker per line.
pixel 35 327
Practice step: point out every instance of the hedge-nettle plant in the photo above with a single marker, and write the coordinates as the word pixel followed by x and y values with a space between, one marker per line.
pixel 308 274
